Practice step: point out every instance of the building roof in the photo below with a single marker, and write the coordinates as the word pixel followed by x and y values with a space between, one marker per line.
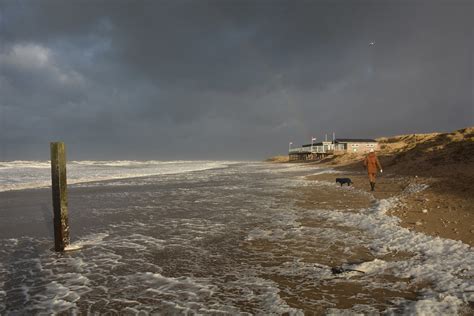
pixel 314 144
pixel 355 140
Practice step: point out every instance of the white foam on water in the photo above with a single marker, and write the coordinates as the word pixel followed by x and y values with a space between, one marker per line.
pixel 324 171
pixel 252 288
pixel 445 305
pixel 286 168
pixel 356 310
pixel 3 294
pixel 19 175
pixel 33 164
pixel 415 188
pixel 47 289
pixel 55 298
pixel 185 287
pixel 447 264
pixel 72 247
pixel 310 272
pixel 89 240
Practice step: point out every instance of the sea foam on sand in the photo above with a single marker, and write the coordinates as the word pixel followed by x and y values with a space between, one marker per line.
pixel 447 264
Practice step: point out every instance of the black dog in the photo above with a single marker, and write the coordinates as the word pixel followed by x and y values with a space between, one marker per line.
pixel 342 181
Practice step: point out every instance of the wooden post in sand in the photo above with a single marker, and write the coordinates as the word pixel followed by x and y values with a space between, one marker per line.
pixel 59 186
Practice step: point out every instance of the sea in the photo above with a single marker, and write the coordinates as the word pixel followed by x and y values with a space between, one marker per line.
pixel 215 238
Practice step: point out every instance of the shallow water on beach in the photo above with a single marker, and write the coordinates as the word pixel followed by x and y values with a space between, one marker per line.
pixel 229 240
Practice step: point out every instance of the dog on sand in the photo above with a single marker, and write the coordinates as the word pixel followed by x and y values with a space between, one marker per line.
pixel 342 181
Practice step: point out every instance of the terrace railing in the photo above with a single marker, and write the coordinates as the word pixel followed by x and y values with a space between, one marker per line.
pixel 314 149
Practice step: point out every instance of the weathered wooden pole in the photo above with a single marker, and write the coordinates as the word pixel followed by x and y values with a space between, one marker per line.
pixel 59 189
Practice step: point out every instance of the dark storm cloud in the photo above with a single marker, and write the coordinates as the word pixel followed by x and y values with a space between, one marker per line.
pixel 227 79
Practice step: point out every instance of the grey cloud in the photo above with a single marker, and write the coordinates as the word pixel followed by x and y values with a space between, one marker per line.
pixel 223 79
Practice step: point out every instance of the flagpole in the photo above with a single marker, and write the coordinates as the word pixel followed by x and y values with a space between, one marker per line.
pixel 333 140
pixel 312 142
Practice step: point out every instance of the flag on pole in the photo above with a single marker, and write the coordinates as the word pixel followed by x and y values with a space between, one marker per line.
pixel 313 139
pixel 291 143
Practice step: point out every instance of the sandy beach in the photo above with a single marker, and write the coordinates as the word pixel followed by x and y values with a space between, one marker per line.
pixel 431 211
pixel 322 196
pixel 444 162
pixel 427 179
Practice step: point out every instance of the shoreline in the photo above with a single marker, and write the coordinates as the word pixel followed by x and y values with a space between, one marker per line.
pixel 436 211
pixel 323 206
pixel 444 162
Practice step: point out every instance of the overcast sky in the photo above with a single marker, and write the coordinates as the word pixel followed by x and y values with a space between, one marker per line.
pixel 230 79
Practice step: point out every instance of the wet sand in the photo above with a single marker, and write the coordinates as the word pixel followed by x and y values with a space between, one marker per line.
pixel 445 215
pixel 350 289
pixel 442 209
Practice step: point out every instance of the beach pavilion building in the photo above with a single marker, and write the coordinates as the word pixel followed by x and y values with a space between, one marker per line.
pixel 355 145
pixel 340 145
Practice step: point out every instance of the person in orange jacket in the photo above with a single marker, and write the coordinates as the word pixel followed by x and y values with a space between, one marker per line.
pixel 372 164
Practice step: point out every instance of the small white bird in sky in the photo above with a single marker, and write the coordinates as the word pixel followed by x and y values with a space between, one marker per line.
pixel 371 43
